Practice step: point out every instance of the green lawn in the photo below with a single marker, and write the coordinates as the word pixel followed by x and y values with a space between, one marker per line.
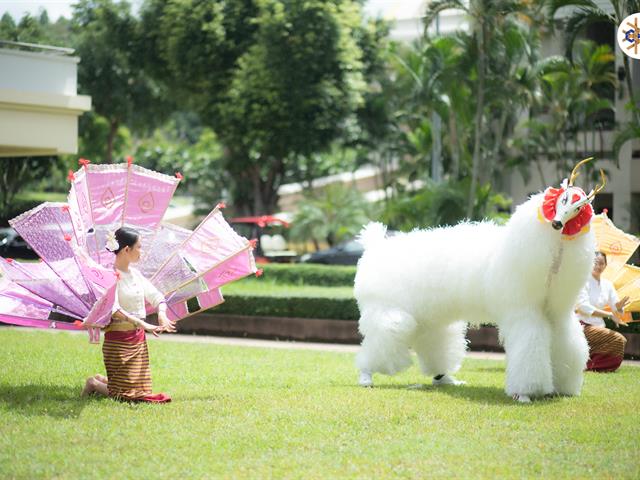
pixel 257 413
pixel 42 196
pixel 266 288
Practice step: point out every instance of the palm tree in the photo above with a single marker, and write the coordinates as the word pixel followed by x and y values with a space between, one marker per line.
pixel 567 99
pixel 486 18
pixel 434 69
pixel 337 212
pixel 588 12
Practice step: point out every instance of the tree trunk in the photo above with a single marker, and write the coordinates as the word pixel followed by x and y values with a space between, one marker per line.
pixel 10 186
pixel 264 192
pixel 113 130
pixel 455 147
pixel 477 148
pixel 258 205
pixel 632 98
pixel 540 171
pixel 502 124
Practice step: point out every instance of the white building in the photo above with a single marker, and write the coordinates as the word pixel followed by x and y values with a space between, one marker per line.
pixel 39 104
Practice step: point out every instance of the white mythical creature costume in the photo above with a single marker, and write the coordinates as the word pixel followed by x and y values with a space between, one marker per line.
pixel 419 290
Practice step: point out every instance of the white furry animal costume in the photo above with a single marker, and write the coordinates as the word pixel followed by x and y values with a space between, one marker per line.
pixel 418 290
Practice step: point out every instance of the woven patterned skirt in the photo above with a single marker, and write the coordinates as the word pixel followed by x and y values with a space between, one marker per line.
pixel 126 358
pixel 606 348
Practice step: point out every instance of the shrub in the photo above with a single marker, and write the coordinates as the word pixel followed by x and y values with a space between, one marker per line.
pixel 308 274
pixel 301 307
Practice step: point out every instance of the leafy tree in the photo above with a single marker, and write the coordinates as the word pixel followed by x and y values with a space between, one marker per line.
pixel 275 80
pixel 18 172
pixel 7 27
pixel 111 72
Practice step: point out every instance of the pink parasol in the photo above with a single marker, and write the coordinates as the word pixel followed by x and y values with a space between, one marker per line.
pixel 74 284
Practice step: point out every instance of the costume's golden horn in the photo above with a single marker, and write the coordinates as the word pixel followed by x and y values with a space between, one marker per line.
pixel 574 172
pixel 600 187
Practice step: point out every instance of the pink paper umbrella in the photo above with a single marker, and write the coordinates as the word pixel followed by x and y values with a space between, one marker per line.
pixel 74 285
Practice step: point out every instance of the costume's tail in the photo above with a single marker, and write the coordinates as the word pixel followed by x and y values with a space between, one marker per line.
pixel 371 234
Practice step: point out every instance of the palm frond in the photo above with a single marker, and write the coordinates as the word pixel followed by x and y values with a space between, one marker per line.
pixel 629 132
pixel 581 20
pixel 435 8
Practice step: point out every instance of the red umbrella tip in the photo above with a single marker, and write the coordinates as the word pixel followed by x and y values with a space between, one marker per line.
pixel 65 208
pixel 9 260
pixel 179 176
pixel 253 242
pixel 259 272
pixel 221 205
pixel 84 162
pixel 67 237
pixel 71 177
pixel 129 160
pixel 605 211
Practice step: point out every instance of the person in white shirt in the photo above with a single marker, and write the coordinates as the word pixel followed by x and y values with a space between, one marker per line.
pixel 126 357
pixel 606 347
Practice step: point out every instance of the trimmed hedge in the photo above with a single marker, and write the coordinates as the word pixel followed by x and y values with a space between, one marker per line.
pixel 313 307
pixel 300 307
pixel 310 274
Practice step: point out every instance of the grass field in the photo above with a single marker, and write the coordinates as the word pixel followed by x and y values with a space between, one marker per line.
pixel 243 412
pixel 259 287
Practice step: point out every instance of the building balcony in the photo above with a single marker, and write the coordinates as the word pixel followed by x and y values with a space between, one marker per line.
pixel 39 104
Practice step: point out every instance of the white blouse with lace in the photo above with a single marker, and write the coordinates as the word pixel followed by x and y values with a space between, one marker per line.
pixel 132 292
pixel 596 295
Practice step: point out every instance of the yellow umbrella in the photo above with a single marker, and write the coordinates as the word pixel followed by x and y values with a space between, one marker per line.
pixel 619 246
pixel 627 283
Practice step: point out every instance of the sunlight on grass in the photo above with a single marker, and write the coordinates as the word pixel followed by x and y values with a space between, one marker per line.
pixel 260 287
pixel 254 413
pixel 42 196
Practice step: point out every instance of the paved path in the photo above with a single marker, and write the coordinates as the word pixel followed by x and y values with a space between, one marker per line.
pixel 255 343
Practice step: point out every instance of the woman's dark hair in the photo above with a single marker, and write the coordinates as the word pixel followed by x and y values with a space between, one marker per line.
pixel 603 255
pixel 126 237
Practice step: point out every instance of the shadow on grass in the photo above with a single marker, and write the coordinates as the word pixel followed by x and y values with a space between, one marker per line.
pixel 48 400
pixel 497 369
pixel 474 393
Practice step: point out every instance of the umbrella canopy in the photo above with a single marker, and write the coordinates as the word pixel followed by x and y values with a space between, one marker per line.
pixel 75 282
pixel 619 246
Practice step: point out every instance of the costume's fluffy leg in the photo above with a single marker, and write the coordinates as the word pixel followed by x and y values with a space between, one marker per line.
pixel 441 349
pixel 385 347
pixel 569 355
pixel 527 343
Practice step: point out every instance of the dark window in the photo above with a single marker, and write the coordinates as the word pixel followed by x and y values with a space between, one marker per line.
pixel 604 201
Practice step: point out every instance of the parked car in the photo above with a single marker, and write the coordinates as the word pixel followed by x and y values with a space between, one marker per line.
pixel 13 245
pixel 345 253
pixel 271 233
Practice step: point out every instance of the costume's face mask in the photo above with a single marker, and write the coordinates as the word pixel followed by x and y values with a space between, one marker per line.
pixel 568 208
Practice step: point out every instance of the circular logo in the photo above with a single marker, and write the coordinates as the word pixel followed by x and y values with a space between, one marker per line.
pixel 629 35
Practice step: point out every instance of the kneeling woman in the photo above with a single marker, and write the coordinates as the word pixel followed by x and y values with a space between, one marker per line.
pixel 606 347
pixel 125 352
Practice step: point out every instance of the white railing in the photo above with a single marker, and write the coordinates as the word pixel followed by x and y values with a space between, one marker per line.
pixel 50 70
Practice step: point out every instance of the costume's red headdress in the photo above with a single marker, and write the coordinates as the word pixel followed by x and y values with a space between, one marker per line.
pixel 575 196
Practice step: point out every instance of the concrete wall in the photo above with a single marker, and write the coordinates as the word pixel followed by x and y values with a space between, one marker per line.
pixel 39 105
